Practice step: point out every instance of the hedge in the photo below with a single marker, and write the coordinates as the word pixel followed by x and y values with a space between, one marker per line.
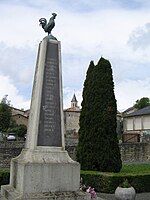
pixel 108 182
pixel 102 182
pixel 4 177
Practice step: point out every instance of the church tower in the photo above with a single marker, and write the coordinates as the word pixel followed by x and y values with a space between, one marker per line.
pixel 71 119
pixel 74 102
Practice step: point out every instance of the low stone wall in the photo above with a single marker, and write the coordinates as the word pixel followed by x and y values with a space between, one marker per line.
pixel 130 152
pixel 135 152
pixel 9 150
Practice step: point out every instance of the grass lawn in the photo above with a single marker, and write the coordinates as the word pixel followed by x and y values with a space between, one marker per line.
pixel 130 169
pixel 135 169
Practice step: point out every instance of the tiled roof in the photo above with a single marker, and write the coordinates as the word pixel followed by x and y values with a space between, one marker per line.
pixel 73 109
pixel 129 109
pixel 143 111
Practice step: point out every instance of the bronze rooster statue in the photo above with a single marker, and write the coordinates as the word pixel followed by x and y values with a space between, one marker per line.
pixel 48 26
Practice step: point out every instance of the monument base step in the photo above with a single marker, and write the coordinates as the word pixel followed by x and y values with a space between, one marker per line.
pixel 44 171
pixel 9 193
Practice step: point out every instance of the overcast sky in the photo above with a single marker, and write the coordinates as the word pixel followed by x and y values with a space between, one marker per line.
pixel 118 30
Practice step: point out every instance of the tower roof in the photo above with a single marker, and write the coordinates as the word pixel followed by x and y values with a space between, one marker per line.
pixel 74 99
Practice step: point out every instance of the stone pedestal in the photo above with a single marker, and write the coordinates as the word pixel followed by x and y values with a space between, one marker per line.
pixel 44 169
pixel 38 173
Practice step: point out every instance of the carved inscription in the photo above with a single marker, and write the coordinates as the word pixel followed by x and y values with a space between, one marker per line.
pixel 50 115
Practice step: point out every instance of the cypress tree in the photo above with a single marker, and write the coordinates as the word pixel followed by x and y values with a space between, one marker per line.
pixel 98 143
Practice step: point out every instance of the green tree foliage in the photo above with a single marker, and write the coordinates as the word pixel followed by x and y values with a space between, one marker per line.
pixel 5 114
pixel 20 130
pixel 98 143
pixel 142 103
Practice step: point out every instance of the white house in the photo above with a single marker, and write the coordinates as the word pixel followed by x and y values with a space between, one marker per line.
pixel 137 122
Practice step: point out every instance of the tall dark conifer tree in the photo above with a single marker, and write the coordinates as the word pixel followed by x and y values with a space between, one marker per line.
pixel 98 143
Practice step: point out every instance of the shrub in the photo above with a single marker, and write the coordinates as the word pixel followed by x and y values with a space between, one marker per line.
pixel 108 182
pixel 4 177
pixel 125 184
pixel 20 130
pixel 102 182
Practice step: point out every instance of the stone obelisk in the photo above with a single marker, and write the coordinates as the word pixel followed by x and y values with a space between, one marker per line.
pixel 44 169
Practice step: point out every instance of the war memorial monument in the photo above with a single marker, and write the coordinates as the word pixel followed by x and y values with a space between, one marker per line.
pixel 44 170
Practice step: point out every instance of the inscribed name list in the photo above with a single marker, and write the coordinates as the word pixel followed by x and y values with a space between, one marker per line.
pixel 49 133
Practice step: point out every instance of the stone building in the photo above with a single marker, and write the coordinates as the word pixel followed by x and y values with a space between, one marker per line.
pixel 71 119
pixel 20 119
pixel 20 116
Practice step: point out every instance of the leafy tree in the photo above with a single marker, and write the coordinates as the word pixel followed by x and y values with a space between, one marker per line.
pixel 98 143
pixel 20 130
pixel 5 114
pixel 142 103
